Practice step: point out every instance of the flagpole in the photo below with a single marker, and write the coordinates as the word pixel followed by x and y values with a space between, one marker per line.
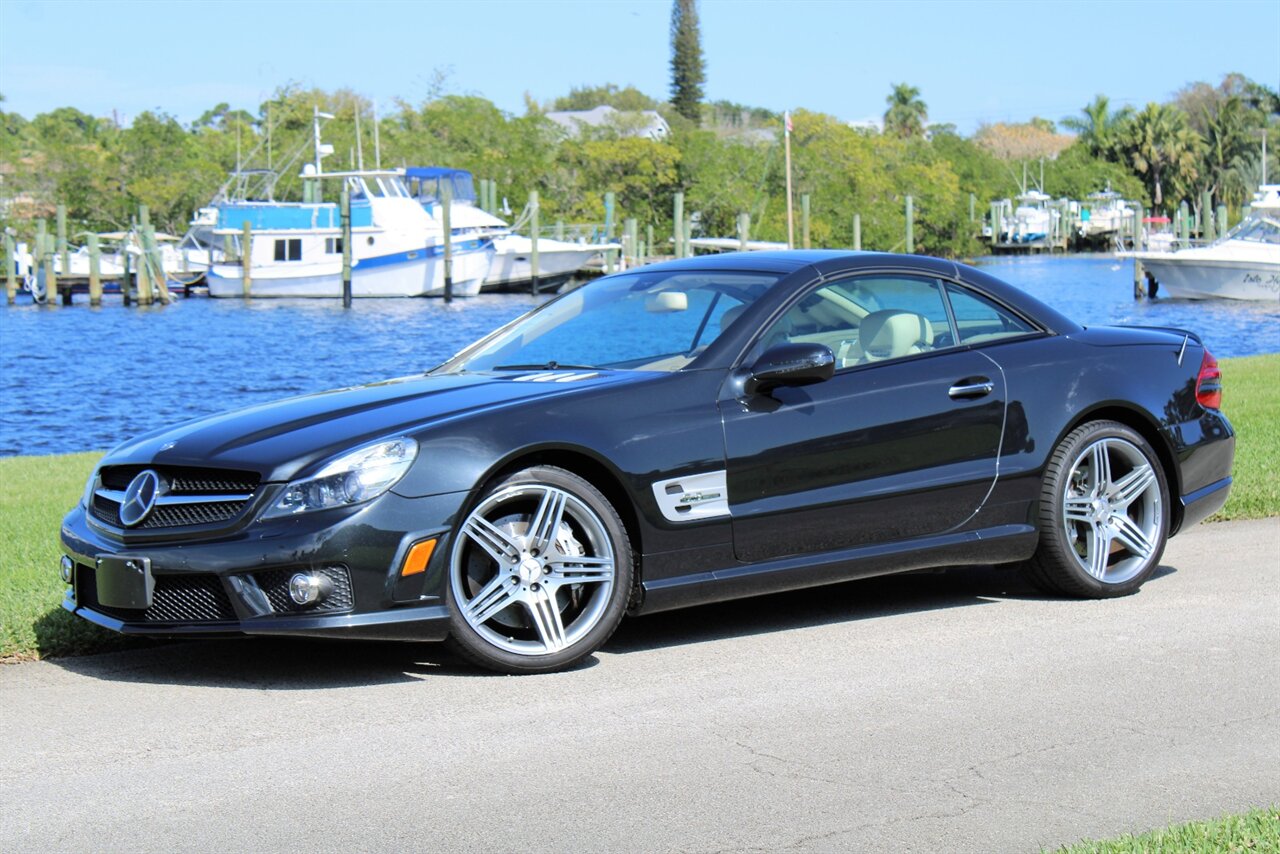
pixel 791 219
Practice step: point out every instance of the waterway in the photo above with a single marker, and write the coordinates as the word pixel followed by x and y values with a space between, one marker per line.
pixel 80 378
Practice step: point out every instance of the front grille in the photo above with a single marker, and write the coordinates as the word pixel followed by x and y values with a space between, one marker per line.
pixel 179 481
pixel 191 598
pixel 275 583
pixel 175 515
pixel 185 480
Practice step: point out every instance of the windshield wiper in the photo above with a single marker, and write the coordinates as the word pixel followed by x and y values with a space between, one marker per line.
pixel 545 366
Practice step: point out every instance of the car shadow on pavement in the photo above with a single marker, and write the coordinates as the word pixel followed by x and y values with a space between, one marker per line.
pixel 881 597
pixel 282 664
pixel 288 664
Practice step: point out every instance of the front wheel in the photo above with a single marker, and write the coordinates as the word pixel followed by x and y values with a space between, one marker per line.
pixel 1104 514
pixel 539 575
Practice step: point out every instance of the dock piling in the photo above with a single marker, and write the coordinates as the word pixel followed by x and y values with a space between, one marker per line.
pixel 1206 216
pixel 446 223
pixel 610 199
pixel 10 268
pixel 559 229
pixel 630 229
pixel 155 261
pixel 63 254
pixel 744 229
pixel 677 225
pixel 857 232
pixel 50 275
pixel 804 220
pixel 1222 219
pixel 534 285
pixel 144 275
pixel 344 217
pixel 973 199
pixel 648 241
pixel 911 232
pixel 246 259
pixel 1184 222
pixel 95 272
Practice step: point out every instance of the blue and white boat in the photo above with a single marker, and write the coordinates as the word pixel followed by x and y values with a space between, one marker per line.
pixel 397 246
pixel 512 266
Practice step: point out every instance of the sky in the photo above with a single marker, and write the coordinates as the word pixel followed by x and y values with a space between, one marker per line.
pixel 974 62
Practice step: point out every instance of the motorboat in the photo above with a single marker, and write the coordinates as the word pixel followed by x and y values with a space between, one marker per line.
pixel 296 248
pixel 1104 217
pixel 512 264
pixel 1032 221
pixel 1243 264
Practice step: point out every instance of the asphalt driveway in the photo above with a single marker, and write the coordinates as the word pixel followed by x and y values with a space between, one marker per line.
pixel 958 712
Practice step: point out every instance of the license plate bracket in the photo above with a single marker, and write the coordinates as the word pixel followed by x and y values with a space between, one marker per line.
pixel 124 582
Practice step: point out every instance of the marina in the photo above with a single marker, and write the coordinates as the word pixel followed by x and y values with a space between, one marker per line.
pixel 56 396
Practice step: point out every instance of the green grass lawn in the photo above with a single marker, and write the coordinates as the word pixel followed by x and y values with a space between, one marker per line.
pixel 1251 399
pixel 1255 832
pixel 35 493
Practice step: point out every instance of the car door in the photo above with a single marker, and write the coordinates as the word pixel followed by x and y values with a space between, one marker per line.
pixel 901 442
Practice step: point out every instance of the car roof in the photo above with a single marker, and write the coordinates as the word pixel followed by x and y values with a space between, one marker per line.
pixel 834 262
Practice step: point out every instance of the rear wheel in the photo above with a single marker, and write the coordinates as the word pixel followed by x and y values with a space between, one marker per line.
pixel 1104 514
pixel 539 574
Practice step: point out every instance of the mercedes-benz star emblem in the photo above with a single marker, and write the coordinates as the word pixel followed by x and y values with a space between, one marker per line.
pixel 139 498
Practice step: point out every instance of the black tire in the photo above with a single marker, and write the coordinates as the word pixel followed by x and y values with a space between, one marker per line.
pixel 1066 546
pixel 526 574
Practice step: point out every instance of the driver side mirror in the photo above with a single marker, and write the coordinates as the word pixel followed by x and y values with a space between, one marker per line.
pixel 791 365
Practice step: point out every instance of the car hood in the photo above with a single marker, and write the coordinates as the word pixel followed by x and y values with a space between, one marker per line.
pixel 281 439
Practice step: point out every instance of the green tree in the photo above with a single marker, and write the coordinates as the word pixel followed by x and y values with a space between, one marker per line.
pixel 589 97
pixel 1163 149
pixel 1099 127
pixel 907 114
pixel 687 70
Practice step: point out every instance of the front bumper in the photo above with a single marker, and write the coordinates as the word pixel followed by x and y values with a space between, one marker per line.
pixel 218 586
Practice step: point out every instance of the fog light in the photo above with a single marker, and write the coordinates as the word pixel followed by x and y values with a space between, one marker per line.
pixel 66 570
pixel 308 588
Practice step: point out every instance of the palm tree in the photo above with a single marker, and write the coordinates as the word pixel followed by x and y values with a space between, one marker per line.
pixel 907 114
pixel 1227 144
pixel 1100 128
pixel 1163 148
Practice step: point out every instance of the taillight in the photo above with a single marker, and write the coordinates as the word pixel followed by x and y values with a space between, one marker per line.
pixel 1209 383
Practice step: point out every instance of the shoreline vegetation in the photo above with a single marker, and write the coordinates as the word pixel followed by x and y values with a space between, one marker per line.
pixel 38 491
pixel 726 159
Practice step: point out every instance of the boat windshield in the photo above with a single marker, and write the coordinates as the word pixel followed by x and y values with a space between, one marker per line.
pixel 1259 229
pixel 658 321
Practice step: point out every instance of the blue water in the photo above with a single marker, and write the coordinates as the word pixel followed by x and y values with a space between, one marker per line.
pixel 79 378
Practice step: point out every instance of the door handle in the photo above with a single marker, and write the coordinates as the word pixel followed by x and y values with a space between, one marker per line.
pixel 973 387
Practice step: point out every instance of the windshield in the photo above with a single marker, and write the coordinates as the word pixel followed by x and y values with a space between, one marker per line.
pixel 636 321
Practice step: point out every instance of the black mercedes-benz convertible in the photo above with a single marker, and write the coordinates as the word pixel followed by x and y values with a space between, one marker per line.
pixel 682 433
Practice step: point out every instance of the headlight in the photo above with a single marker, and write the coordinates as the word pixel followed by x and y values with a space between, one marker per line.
pixel 360 475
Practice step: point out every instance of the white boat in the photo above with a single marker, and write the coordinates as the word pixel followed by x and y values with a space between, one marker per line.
pixel 1104 216
pixel 178 261
pixel 1243 264
pixel 512 264
pixel 733 244
pixel 1032 220
pixel 397 246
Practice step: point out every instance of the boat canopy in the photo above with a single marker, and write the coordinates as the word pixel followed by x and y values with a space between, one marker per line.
pixel 274 216
pixel 426 183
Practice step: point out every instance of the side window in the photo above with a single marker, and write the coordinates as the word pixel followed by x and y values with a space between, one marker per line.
pixel 289 250
pixel 978 319
pixel 867 319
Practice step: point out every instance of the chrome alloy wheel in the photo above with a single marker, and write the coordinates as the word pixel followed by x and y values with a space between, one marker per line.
pixel 1111 510
pixel 532 569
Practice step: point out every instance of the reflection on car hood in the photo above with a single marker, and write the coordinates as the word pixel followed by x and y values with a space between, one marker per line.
pixel 280 439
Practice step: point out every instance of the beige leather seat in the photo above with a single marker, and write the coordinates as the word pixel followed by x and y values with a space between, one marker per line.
pixel 893 333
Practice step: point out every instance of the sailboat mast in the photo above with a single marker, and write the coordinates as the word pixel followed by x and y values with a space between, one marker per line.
pixel 359 146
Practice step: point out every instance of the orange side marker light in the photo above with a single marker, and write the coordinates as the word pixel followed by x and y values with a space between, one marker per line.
pixel 418 557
